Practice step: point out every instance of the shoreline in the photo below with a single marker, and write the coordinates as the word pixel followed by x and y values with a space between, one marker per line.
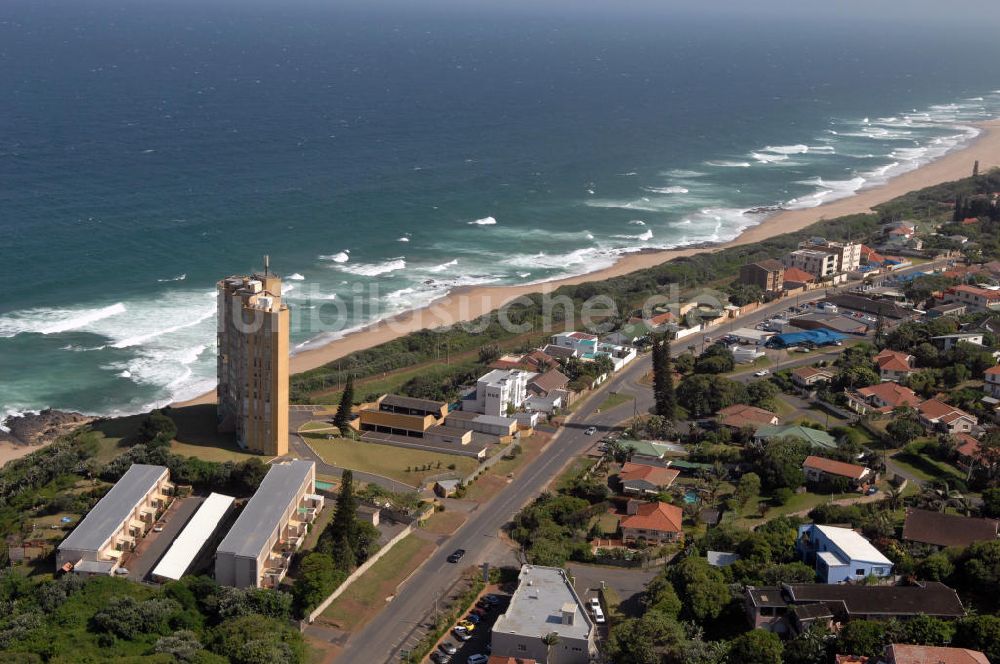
pixel 468 303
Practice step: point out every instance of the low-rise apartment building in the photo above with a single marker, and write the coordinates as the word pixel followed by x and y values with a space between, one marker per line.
pixel 848 253
pixel 395 416
pixel 499 392
pixel 819 263
pixel 974 298
pixel 768 275
pixel 991 381
pixel 194 544
pixel 122 517
pixel 259 547
pixel 544 603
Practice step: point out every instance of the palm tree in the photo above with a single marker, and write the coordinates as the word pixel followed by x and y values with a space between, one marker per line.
pixel 549 640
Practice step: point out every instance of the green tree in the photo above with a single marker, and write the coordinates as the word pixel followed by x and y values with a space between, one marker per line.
pixel 756 647
pixel 157 429
pixel 661 596
pixel 703 588
pixel 865 638
pixel 343 417
pixel 991 502
pixel 809 647
pixel 747 488
pixel 926 631
pixel 316 578
pixel 904 427
pixel 644 640
pixel 980 633
pixel 664 395
pixel 779 464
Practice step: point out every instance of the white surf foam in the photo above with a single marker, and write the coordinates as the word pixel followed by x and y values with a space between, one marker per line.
pixel 54 321
pixel 485 221
pixel 295 276
pixel 726 163
pixel 339 257
pixel 374 269
pixel 667 190
pixel 179 277
pixel 443 266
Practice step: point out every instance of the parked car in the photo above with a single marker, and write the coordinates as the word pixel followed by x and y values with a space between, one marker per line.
pixel 157 529
pixel 121 571
pixel 492 599
pixel 449 648
pixel 473 618
pixel 595 603
pixel 467 626
pixel 872 490
pixel 762 372
pixel 480 611
pixel 461 634
pixel 439 657
pixel 599 616
pixel 456 555
pixel 590 431
pixel 478 658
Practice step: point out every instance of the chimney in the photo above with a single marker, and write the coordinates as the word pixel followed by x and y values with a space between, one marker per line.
pixel 568 613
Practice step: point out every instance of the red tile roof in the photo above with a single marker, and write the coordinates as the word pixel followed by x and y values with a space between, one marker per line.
pixel 967 446
pixel 741 415
pixel 871 256
pixel 893 394
pixel 498 659
pixel 891 360
pixel 661 517
pixel 655 475
pixel 808 372
pixel 832 467
pixel 797 275
pixel 992 371
pixel 899 653
pixel 937 410
pixel 984 293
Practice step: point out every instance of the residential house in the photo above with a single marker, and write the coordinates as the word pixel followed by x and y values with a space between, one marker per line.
pixel 953 309
pixel 816 320
pixel 809 376
pixel 840 554
pixel 589 347
pixel 814 437
pixel 746 354
pixel 946 342
pixel 769 607
pixel 899 653
pixel 991 381
pixel 542 384
pixel 819 263
pixel 947 530
pixel 768 275
pixel 968 451
pixel 741 416
pixel 882 398
pixel 939 416
pixel 974 297
pixel 652 523
pixel 893 365
pixel 638 479
pixel 821 469
pixel 796 278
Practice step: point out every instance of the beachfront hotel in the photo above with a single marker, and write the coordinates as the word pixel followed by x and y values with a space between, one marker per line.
pixel 253 362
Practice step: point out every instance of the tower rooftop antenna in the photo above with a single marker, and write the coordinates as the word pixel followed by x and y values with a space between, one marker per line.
pixel 267 264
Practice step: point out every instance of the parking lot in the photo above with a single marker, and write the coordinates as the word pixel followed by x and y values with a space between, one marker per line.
pixel 479 641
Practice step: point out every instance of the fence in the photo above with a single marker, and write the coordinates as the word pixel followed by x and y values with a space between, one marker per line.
pixel 364 567
pixel 489 463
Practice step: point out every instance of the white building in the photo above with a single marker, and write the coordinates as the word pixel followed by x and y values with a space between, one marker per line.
pixel 499 392
pixel 545 603
pixel 848 253
pixel 746 354
pixel 190 545
pixel 819 263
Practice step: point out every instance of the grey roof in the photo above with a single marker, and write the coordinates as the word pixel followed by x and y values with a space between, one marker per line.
pixel 250 534
pixel 111 511
pixel 399 401
pixel 536 606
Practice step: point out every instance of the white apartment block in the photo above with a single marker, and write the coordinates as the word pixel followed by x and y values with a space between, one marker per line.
pixel 819 263
pixel 848 253
pixel 499 392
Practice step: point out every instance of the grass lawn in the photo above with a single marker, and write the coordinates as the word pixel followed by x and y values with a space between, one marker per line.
pixel 574 470
pixel 782 408
pixel 495 479
pixel 317 426
pixel 926 468
pixel 444 523
pixel 607 521
pixel 388 460
pixel 367 596
pixel 615 399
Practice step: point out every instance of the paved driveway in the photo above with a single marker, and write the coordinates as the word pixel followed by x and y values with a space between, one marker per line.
pixel 149 551
pixel 628 583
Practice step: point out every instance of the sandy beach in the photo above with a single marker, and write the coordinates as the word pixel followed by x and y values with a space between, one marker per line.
pixel 470 303
pixel 9 451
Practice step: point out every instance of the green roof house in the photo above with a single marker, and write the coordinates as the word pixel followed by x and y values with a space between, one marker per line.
pixel 815 437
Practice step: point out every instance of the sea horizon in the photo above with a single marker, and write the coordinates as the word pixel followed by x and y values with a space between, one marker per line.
pixel 499 173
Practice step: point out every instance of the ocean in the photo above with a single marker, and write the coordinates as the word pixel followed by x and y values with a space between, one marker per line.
pixel 149 149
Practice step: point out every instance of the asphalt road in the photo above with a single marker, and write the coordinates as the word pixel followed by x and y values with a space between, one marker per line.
pixel 381 639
